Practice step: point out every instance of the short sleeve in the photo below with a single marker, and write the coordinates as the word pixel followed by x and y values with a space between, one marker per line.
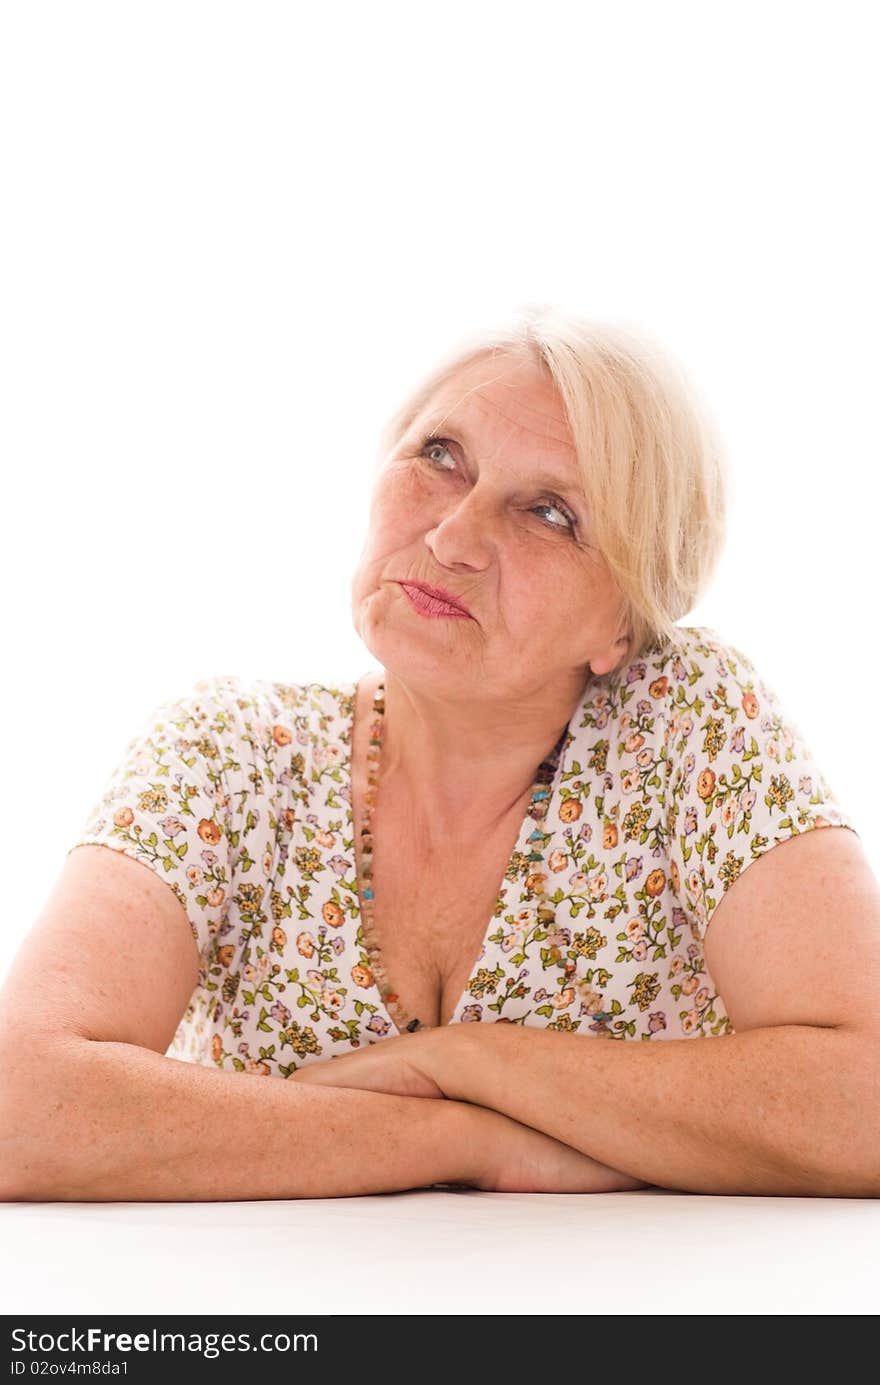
pixel 170 799
pixel 740 776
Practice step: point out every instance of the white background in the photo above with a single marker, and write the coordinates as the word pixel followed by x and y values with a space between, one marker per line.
pixel 234 234
pixel 421 1251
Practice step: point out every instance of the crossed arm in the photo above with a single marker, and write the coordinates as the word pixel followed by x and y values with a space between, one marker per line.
pixel 789 1104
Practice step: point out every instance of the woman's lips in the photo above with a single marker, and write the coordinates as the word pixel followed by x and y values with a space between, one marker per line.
pixel 430 605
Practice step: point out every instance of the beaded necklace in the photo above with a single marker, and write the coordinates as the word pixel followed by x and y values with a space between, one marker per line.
pixel 537 810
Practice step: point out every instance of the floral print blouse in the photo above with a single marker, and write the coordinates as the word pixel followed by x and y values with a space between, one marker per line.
pixel 676 773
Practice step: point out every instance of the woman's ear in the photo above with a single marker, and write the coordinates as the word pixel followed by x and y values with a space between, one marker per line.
pixel 615 659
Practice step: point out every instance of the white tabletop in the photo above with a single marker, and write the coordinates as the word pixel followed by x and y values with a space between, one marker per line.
pixel 446 1251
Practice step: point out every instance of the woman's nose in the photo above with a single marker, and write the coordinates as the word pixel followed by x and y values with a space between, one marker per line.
pixel 464 526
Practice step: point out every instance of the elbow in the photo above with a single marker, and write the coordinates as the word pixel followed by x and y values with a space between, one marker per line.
pixel 845 1167
pixel 19 1161
pixel 14 1159
pixel 35 1141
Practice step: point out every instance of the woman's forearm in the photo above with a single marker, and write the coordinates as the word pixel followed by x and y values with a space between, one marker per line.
pixel 100 1121
pixel 790 1110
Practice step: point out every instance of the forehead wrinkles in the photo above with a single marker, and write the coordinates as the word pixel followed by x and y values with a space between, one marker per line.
pixel 489 398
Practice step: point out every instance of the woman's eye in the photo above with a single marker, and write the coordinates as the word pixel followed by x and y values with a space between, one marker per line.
pixel 430 443
pixel 569 518
pixel 438 444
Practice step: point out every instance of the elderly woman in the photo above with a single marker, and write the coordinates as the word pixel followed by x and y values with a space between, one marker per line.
pixel 423 897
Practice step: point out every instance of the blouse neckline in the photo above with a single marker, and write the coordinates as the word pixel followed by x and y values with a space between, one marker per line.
pixel 531 842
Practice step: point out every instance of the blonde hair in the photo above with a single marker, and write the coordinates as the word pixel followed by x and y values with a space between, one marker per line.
pixel 652 465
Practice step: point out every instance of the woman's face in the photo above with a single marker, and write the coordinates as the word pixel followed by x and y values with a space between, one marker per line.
pixel 491 509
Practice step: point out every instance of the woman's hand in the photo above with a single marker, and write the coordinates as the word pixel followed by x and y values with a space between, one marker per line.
pixel 399 1066
pixel 514 1158
pixel 511 1158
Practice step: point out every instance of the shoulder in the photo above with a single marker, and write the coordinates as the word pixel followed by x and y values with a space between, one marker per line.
pixel 253 706
pixel 741 775
pixel 696 669
pixel 239 730
pixel 716 686
pixel 312 715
